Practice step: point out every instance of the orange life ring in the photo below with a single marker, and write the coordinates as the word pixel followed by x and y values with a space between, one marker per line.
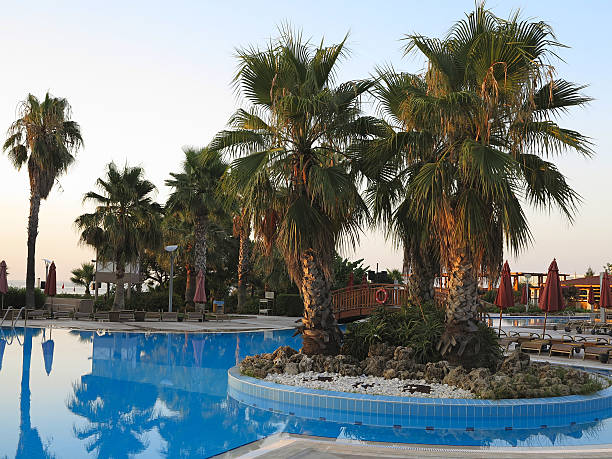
pixel 381 296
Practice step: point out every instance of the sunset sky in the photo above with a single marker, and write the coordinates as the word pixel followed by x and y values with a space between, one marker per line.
pixel 146 79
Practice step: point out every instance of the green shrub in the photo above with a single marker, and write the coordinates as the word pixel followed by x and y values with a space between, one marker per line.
pixel 143 301
pixel 407 327
pixel 15 297
pixel 289 304
pixel 250 306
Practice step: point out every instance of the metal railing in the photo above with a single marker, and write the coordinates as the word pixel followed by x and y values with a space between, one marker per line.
pixel 14 318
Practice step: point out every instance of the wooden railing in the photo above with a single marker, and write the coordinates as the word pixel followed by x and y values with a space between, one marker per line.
pixel 360 301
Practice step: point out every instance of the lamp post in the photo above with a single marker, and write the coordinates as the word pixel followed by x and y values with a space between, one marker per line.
pixel 527 279
pixel 47 264
pixel 171 249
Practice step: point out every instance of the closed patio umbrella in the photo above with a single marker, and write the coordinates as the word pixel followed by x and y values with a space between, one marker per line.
pixel 591 298
pixel 200 293
pixel 524 294
pixel 3 281
pixel 47 347
pixel 51 281
pixel 504 298
pixel 551 299
pixel 605 299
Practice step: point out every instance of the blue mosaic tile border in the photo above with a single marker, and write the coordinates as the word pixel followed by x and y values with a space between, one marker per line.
pixel 417 412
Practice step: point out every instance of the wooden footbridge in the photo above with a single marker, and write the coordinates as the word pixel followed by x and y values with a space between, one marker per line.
pixel 358 301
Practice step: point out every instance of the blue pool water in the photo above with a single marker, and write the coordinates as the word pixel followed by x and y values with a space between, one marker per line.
pixel 83 394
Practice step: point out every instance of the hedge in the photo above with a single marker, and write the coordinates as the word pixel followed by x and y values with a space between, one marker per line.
pixel 15 297
pixel 289 304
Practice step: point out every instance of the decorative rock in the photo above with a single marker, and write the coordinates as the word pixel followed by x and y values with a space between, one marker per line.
pixel 305 364
pixel 374 365
pixel 515 362
pixel 390 373
pixel 292 368
pixel 381 350
pixel 435 372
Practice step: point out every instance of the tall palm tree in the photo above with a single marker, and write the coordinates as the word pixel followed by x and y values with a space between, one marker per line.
pixel 242 230
pixel 488 102
pixel 389 162
pixel 126 220
pixel 195 197
pixel 83 276
pixel 292 172
pixel 46 139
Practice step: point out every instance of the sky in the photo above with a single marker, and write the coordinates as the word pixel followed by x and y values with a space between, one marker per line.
pixel 146 79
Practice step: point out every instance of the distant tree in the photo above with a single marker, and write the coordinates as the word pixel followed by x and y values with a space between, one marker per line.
pixel 589 272
pixel 195 195
pixel 608 267
pixel 126 220
pixel 396 275
pixel 46 139
pixel 343 269
pixel 83 276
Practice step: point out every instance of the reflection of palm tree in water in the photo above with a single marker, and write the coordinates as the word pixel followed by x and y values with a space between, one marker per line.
pixel 30 444
pixel 118 413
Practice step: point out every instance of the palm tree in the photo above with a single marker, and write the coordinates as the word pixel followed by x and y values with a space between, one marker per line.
pixel 390 162
pixel 125 222
pixel 46 139
pixel 292 172
pixel 242 230
pixel 195 197
pixel 488 101
pixel 83 276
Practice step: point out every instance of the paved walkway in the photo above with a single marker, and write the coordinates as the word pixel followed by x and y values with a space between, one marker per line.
pixel 304 447
pixel 237 323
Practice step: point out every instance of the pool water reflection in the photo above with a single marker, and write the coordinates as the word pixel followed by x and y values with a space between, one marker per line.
pixel 82 394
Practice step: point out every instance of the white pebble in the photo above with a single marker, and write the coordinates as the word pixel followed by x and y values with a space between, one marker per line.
pixel 379 386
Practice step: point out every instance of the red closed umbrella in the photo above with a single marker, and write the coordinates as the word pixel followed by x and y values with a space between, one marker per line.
pixel 605 299
pixel 551 299
pixel 3 280
pixel 504 298
pixel 51 281
pixel 591 299
pixel 200 293
pixel 524 295
pixel 351 280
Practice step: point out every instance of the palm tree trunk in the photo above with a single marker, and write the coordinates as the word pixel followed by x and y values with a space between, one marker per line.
pixel 119 302
pixel 32 234
pixel 199 247
pixel 320 332
pixel 461 308
pixel 425 267
pixel 243 265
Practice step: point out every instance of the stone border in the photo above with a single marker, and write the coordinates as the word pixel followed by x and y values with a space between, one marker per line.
pixel 416 412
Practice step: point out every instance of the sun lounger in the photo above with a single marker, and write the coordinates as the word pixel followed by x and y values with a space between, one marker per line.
pixel 169 316
pixel 537 345
pixel 126 316
pixel 152 316
pixel 37 314
pixel 61 315
pixel 194 317
pixel 563 348
pixel 600 353
pixel 217 316
pixel 82 315
pixel 101 316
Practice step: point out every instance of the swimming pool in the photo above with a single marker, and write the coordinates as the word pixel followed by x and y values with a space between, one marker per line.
pixel 83 394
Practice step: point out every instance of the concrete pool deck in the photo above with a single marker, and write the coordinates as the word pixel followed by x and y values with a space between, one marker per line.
pixel 282 446
pixel 238 323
